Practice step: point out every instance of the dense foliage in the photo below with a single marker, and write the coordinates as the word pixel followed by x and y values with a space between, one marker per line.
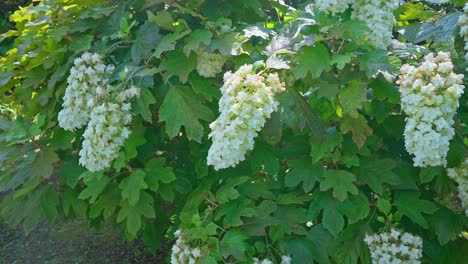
pixel 249 131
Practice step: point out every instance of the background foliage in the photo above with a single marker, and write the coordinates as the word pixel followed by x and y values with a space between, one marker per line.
pixel 328 167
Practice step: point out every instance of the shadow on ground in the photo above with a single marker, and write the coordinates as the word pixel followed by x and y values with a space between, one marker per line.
pixel 70 243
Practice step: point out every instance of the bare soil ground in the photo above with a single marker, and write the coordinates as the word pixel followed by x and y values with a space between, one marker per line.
pixel 69 243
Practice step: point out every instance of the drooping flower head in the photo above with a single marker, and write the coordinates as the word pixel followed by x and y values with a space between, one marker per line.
pixel 429 96
pixel 87 79
pixel 247 101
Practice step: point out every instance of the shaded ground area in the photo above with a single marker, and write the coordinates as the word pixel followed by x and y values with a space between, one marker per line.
pixel 71 243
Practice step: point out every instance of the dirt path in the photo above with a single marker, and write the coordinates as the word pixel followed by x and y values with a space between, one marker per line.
pixel 70 243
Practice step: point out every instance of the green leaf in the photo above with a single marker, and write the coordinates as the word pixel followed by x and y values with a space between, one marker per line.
pixel 373 61
pixel 320 147
pixel 81 43
pixel 358 127
pixel 447 225
pixel 234 243
pixel 71 172
pixel 233 211
pixel 179 65
pixel 264 158
pixel 384 205
pixel 262 220
pixel 303 171
pixel 313 60
pixel 409 204
pixel 328 89
pixel 50 201
pixel 356 208
pixel 142 104
pixel 163 19
pixel 352 97
pixel 156 172
pixel 227 192
pixel 133 213
pixel 169 41
pixel 342 59
pixel 427 174
pixel 292 198
pixel 207 87
pixel 342 183
pixel 377 172
pixel 227 44
pixel 107 202
pixel 181 107
pixel 146 39
pixel 132 185
pixel 95 184
pixel 332 220
pixel 384 90
pixel 196 39
pixel 353 248
pixel 135 139
pixel 43 165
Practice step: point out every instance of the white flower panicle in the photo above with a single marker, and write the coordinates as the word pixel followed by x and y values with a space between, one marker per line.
pixel 429 96
pixel 182 253
pixel 210 64
pixel 284 260
pixel 460 176
pixel 107 131
pixel 333 6
pixel 394 247
pixel 378 15
pixel 87 79
pixel 247 101
pixel 463 23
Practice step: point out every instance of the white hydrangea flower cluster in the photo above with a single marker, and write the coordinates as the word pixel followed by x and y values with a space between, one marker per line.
pixel 394 247
pixel 429 96
pixel 209 64
pixel 284 260
pixel 460 175
pixel 104 135
pixel 463 23
pixel 248 99
pixel 182 253
pixel 378 15
pixel 87 77
pixel 333 6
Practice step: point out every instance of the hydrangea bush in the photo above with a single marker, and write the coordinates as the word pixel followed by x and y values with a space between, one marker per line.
pixel 250 131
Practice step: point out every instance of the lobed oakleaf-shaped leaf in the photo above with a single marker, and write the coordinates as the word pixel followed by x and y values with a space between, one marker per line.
pixel 313 60
pixel 409 204
pixel 177 64
pixel 234 243
pixel 303 171
pixel 196 39
pixel 107 202
pixel 342 183
pixel 377 172
pixel 156 172
pixel 227 192
pixel 142 104
pixel 42 166
pixel 95 184
pixel 233 211
pixel 132 185
pixel 358 127
pixel 181 107
pixel 352 97
pixel 133 213
pixel 447 224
